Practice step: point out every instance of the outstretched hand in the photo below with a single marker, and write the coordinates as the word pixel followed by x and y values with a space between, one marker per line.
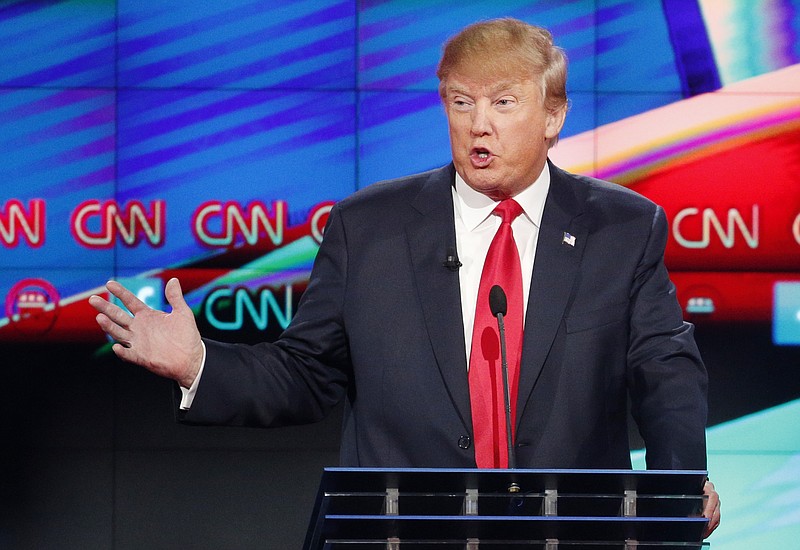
pixel 167 344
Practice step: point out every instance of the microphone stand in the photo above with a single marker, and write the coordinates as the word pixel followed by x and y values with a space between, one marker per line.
pixel 498 307
pixel 512 462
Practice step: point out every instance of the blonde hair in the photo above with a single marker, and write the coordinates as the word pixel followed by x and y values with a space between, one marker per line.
pixel 505 46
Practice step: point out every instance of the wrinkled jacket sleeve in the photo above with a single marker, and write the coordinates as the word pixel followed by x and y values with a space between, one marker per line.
pixel 667 380
pixel 299 378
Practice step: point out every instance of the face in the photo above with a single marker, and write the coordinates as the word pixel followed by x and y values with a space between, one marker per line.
pixel 499 131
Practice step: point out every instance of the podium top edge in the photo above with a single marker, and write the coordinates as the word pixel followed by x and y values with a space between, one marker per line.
pixel 665 482
pixel 520 471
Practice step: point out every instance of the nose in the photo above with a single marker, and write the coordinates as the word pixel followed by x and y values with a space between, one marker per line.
pixel 481 120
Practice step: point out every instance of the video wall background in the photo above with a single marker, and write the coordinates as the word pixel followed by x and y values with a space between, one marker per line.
pixel 143 140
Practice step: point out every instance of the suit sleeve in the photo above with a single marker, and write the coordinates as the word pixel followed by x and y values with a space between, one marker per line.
pixel 299 378
pixel 667 380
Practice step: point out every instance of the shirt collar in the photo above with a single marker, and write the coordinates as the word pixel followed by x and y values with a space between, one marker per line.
pixel 474 207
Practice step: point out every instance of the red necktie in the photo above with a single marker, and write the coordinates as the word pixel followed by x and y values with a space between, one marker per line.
pixel 502 267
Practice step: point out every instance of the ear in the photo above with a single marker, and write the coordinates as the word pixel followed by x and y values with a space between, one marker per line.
pixel 555 121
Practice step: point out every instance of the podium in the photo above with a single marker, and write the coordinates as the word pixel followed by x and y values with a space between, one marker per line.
pixel 442 509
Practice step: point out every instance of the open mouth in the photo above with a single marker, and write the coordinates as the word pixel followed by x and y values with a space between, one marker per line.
pixel 480 156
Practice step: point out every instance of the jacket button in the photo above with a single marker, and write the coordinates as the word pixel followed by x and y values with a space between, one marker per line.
pixel 464 442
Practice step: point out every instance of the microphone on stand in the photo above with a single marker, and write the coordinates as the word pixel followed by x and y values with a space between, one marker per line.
pixel 498 304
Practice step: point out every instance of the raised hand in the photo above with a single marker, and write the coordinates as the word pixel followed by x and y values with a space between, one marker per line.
pixel 167 344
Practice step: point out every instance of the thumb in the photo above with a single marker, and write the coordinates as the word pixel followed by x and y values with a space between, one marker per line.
pixel 174 295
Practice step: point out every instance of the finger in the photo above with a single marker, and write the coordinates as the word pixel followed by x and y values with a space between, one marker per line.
pixel 174 295
pixel 111 311
pixel 97 302
pixel 713 523
pixel 712 508
pixel 716 516
pixel 124 353
pixel 101 304
pixel 127 297
pixel 712 502
pixel 114 330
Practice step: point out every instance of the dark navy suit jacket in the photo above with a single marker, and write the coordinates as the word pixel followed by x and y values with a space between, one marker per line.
pixel 381 325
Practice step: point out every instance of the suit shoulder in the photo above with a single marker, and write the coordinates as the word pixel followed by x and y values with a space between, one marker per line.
pixel 609 197
pixel 615 193
pixel 393 192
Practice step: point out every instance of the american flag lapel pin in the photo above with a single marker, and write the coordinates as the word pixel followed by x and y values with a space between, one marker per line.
pixel 568 239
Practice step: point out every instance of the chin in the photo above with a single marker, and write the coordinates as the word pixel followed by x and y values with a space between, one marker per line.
pixel 493 192
pixel 490 186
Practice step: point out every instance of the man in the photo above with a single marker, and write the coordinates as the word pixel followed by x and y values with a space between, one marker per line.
pixel 394 319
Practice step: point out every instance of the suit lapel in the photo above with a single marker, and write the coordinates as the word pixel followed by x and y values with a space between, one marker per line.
pixel 429 238
pixel 555 267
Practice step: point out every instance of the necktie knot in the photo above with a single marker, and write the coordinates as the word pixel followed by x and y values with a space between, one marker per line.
pixel 508 210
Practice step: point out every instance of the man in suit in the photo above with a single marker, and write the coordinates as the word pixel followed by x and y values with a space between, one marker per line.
pixel 397 292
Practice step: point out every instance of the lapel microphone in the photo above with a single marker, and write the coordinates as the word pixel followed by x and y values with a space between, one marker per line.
pixel 451 260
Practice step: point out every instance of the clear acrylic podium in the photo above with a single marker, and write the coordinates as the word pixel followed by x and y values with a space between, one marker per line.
pixel 442 509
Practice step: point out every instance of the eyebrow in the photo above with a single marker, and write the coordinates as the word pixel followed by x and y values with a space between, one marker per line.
pixel 503 85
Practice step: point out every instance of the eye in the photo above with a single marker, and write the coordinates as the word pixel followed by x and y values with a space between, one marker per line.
pixel 505 102
pixel 460 104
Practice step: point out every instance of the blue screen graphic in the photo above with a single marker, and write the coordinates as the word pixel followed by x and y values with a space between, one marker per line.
pixel 143 140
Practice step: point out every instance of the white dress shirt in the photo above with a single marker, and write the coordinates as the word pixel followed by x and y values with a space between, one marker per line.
pixel 475 229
